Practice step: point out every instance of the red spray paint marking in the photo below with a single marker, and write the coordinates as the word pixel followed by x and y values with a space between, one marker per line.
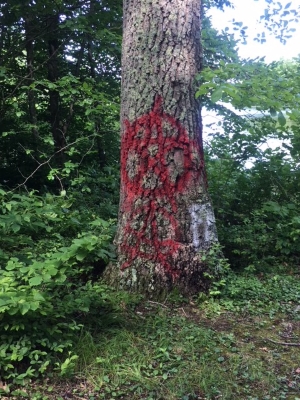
pixel 147 145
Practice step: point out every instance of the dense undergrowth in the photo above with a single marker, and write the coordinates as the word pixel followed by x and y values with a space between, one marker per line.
pixel 51 250
pixel 241 344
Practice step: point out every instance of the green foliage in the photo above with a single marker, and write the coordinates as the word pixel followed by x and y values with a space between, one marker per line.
pixel 176 351
pixel 249 294
pixel 274 288
pixel 279 19
pixel 217 268
pixel 257 211
pixel 59 114
pixel 47 249
pixel 214 260
pixel 92 185
pixel 40 321
pixel 255 189
pixel 59 134
pixel 247 84
pixel 217 47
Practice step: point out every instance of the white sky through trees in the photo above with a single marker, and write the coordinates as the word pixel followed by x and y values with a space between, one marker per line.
pixel 249 12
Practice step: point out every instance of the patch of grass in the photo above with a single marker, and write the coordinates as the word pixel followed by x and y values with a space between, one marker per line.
pixel 189 350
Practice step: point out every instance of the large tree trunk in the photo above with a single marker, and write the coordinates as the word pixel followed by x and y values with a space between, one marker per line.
pixel 165 215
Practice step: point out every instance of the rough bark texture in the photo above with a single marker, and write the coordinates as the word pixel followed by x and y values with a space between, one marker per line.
pixel 165 214
pixel 54 98
pixel 29 31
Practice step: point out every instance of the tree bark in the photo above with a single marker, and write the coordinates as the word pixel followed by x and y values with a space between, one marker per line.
pixel 29 31
pixel 165 215
pixel 54 98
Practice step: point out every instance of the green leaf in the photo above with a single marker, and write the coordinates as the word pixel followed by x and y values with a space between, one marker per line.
pixel 52 271
pixel 81 255
pixel 38 297
pixel 16 228
pixel 34 305
pixel 281 119
pixel 11 265
pixel 217 94
pixel 35 281
pixel 3 302
pixel 24 308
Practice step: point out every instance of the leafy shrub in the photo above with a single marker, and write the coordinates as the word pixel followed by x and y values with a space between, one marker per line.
pixel 217 268
pixel 40 319
pixel 274 288
pixel 265 239
pixel 47 245
pixel 257 210
pixel 92 186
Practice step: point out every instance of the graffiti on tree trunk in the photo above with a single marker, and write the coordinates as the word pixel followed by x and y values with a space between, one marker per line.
pixel 159 163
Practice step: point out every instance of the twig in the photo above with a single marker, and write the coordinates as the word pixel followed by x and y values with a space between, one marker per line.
pixel 183 311
pixel 284 343
pixel 155 302
pixel 47 162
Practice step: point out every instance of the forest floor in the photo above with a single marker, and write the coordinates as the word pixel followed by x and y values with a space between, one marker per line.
pixel 204 349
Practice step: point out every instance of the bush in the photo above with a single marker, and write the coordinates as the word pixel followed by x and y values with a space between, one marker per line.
pixel 257 212
pixel 47 246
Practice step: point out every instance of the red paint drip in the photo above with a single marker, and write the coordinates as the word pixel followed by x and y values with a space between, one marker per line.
pixel 148 144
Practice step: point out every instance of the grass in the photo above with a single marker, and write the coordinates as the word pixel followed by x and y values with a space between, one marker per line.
pixel 186 350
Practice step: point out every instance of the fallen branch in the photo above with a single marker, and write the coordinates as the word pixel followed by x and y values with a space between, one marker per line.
pixel 284 343
pixel 155 302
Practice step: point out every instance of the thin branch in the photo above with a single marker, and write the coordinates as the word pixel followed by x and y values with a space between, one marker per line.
pixel 47 162
pixel 86 153
pixel 284 343
pixel 159 304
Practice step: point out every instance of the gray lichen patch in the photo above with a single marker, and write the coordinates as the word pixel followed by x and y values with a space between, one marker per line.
pixel 179 160
pixel 153 150
pixel 173 172
pixel 195 157
pixel 132 164
pixel 150 180
pixel 175 162
pixel 138 222
pixel 164 227
pixel 154 133
pixel 168 129
pixel 140 132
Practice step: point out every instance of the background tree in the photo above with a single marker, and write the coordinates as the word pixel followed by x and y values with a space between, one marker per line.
pixel 59 88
